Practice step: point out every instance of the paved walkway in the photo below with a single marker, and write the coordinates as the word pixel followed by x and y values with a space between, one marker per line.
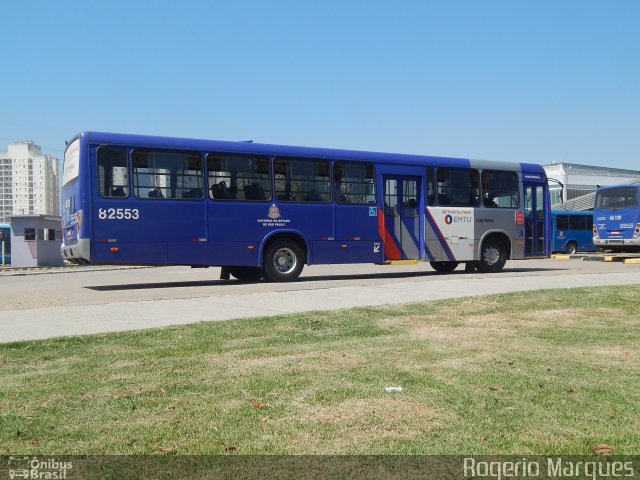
pixel 45 322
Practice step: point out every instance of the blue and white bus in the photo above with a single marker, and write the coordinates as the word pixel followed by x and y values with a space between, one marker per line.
pixel 264 211
pixel 572 231
pixel 5 244
pixel 616 218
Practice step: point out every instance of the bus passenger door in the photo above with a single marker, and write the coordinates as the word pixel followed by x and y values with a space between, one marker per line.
pixel 535 232
pixel 401 217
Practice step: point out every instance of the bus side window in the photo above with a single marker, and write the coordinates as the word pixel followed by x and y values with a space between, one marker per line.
pixel 113 172
pixel 238 177
pixel 579 222
pixel 458 186
pixel 302 180
pixel 500 189
pixel 166 174
pixel 562 222
pixel 354 183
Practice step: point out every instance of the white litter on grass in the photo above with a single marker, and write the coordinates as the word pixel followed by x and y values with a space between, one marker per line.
pixel 393 389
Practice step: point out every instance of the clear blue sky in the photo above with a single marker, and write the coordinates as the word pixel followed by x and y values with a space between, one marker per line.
pixel 535 81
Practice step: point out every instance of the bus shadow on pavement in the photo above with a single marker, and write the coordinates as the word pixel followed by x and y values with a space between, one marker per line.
pixel 143 286
pixel 427 273
pixel 311 278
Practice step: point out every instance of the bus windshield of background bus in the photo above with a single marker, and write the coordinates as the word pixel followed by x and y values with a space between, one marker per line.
pixel 617 198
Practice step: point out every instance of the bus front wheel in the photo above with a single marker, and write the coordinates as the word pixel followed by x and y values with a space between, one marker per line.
pixel 444 267
pixel 283 261
pixel 493 256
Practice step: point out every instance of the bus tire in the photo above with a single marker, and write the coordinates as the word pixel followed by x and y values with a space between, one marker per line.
pixel 444 267
pixel 283 261
pixel 246 274
pixel 493 256
pixel 571 248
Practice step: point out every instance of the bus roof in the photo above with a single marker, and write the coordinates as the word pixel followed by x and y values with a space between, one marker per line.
pixel 627 185
pixel 571 212
pixel 244 147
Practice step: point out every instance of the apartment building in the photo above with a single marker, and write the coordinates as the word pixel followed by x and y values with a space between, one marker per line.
pixel 28 181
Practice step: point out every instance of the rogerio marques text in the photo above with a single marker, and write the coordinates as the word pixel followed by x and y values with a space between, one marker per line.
pixel 548 467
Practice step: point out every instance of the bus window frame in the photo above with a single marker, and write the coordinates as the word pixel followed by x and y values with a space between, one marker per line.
pixel 484 200
pixel 604 193
pixel 129 190
pixel 209 188
pixel 288 181
pixel 135 187
pixel 472 190
pixel 334 184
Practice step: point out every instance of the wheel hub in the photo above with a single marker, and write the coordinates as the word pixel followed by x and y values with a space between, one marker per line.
pixel 491 255
pixel 284 260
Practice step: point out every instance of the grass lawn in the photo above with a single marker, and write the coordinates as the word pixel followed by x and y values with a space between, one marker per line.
pixel 548 372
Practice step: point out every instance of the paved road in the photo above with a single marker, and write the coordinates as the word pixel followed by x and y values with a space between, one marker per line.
pixel 79 301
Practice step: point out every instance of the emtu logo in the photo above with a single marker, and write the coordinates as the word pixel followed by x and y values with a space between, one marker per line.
pixel 448 219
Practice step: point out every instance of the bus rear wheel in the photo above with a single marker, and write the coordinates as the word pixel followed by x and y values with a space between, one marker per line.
pixel 571 248
pixel 493 256
pixel 283 261
pixel 444 267
pixel 246 274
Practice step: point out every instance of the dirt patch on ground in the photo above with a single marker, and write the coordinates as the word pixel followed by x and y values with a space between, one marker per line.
pixel 365 421
pixel 604 355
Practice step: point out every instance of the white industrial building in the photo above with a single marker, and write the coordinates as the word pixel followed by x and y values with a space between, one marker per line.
pixel 572 186
pixel 28 181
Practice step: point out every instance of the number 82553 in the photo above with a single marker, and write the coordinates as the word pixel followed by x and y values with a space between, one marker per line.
pixel 118 214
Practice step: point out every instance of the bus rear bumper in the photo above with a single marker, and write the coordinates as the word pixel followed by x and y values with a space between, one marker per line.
pixel 78 253
pixel 617 242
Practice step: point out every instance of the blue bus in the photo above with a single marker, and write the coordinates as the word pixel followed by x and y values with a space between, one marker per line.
pixel 5 237
pixel 265 211
pixel 572 231
pixel 616 216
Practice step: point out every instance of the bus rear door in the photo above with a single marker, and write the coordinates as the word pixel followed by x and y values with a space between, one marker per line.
pixel 402 199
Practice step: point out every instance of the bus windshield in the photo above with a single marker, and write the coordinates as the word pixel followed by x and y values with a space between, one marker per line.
pixel 616 198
